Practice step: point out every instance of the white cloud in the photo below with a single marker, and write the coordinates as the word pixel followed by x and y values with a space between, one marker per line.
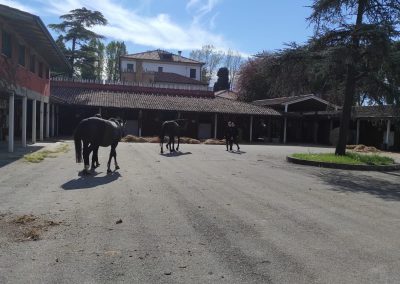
pixel 19 6
pixel 129 25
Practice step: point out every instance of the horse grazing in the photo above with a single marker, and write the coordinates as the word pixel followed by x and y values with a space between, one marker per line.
pixel 172 129
pixel 94 132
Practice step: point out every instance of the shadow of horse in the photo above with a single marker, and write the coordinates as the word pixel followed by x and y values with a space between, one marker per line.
pixel 237 152
pixel 175 154
pixel 89 181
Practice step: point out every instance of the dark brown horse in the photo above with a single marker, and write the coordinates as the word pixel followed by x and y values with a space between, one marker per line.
pixel 94 132
pixel 172 129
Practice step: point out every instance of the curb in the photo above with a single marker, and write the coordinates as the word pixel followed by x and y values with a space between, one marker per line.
pixel 385 168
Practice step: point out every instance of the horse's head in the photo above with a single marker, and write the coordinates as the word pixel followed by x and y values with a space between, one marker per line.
pixel 183 123
pixel 121 125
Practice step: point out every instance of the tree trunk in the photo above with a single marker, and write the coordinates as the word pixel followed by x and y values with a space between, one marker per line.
pixel 350 87
pixel 72 59
pixel 346 112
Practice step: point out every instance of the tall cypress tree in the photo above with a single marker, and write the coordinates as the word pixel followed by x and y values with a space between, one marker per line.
pixel 74 29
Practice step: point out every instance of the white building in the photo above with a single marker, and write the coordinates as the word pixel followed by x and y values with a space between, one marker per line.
pixel 160 66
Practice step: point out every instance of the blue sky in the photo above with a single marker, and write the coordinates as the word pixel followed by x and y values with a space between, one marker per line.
pixel 245 26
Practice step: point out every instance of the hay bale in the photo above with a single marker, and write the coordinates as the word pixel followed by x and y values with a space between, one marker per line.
pixel 188 140
pixel 154 139
pixel 362 148
pixel 214 142
pixel 133 139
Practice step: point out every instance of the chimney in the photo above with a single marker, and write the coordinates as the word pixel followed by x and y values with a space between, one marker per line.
pixel 180 54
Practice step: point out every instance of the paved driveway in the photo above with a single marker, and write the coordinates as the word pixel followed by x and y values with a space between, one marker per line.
pixel 205 216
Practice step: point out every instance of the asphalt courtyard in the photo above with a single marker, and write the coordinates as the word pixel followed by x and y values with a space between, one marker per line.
pixel 201 216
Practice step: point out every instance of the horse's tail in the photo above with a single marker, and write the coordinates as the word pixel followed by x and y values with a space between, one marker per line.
pixel 78 146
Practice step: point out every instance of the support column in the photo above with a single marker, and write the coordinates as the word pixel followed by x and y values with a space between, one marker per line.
pixel 47 120
pixel 284 130
pixel 24 113
pixel 41 122
pixel 251 128
pixel 358 132
pixel 53 108
pixel 215 125
pixel 285 126
pixel 33 121
pixel 11 123
pixel 57 118
pixel 140 122
pixel 387 134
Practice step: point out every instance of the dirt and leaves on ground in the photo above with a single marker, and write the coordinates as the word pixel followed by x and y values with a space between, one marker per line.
pixel 52 152
pixel 19 228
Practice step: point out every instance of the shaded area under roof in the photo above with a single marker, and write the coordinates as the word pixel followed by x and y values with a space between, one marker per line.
pixel 131 100
pixel 34 32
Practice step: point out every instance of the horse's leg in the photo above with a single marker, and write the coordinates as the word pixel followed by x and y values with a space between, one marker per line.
pixel 172 143
pixel 109 160
pixel 177 147
pixel 95 158
pixel 115 157
pixel 86 153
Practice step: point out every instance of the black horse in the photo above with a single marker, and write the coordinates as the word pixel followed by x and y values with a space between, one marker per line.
pixel 94 132
pixel 172 129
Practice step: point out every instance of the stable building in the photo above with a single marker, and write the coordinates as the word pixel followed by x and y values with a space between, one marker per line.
pixel 28 53
pixel 146 106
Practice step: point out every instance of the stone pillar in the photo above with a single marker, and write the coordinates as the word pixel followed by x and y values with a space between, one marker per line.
pixel 215 125
pixel 47 120
pixel 41 122
pixel 24 113
pixel 11 123
pixel 33 121
pixel 251 128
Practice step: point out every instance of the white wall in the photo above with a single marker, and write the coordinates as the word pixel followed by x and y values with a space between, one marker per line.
pixel 180 68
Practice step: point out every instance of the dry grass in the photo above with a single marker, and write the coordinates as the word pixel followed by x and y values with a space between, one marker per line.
pixel 40 155
pixel 24 227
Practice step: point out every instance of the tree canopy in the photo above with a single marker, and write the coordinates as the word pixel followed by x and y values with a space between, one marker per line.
pixel 74 29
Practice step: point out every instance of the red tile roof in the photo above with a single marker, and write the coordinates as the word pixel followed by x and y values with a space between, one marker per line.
pixel 159 55
pixel 92 96
pixel 166 77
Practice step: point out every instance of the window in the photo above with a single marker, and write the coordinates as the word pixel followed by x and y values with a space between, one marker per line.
pixel 21 55
pixel 32 64
pixel 129 67
pixel 6 46
pixel 160 69
pixel 41 69
pixel 193 73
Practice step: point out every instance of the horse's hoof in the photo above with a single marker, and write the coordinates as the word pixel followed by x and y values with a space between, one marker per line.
pixel 117 168
pixel 109 171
